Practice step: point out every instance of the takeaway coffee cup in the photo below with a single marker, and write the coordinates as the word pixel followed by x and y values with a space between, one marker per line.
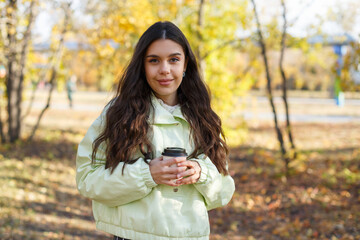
pixel 172 152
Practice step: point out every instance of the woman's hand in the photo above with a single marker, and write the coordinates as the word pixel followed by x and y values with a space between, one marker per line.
pixel 163 172
pixel 191 175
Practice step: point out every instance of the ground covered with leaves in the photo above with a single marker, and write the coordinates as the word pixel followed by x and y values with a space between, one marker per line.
pixel 38 195
pixel 320 199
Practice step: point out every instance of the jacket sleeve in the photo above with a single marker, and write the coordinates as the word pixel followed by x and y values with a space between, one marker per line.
pixel 97 183
pixel 216 188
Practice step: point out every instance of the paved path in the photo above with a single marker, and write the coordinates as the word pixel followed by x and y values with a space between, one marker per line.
pixel 95 102
pixel 303 117
pixel 312 101
pixel 304 110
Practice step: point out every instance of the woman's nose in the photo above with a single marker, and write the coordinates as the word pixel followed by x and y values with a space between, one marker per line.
pixel 164 68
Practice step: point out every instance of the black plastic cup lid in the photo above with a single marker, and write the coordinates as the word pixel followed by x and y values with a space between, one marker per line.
pixel 174 152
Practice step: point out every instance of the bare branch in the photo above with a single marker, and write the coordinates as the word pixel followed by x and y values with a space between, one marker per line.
pixel 54 60
pixel 221 46
pixel 269 80
pixel 284 80
pixel 55 67
pixel 27 34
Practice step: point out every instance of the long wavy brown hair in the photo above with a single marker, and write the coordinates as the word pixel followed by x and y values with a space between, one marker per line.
pixel 126 124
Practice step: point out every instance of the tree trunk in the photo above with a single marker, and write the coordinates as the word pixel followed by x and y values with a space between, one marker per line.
pixel 2 135
pixel 284 81
pixel 16 68
pixel 3 35
pixel 269 80
pixel 12 77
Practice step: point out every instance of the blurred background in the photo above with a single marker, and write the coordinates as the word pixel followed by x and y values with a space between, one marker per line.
pixel 284 77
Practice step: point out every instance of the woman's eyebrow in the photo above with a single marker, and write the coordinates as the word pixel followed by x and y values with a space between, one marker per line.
pixel 171 55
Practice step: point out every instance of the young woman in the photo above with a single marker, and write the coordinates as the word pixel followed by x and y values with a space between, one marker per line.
pixel 161 102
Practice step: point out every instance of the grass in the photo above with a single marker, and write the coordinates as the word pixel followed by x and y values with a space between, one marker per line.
pixel 38 196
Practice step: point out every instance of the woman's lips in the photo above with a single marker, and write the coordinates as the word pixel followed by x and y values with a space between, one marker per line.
pixel 164 82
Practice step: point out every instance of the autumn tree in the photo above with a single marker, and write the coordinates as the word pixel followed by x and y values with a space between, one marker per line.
pixel 16 40
pixel 216 43
pixel 285 80
pixel 17 20
pixel 351 71
pixel 344 16
pixel 269 78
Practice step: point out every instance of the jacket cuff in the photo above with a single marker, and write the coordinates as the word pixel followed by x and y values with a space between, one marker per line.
pixel 204 171
pixel 145 173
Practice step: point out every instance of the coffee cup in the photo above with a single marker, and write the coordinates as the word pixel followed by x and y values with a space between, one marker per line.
pixel 172 152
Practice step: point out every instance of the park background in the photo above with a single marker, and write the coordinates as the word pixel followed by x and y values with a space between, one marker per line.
pixel 296 179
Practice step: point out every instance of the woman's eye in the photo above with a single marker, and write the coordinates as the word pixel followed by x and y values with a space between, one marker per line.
pixel 153 60
pixel 174 60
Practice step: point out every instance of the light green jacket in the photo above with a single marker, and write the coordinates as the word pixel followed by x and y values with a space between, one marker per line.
pixel 132 205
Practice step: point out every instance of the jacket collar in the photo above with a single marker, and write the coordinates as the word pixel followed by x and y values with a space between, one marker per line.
pixel 159 115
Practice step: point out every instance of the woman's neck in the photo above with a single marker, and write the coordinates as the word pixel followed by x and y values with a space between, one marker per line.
pixel 169 100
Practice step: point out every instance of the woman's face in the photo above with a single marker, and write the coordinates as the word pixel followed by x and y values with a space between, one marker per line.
pixel 165 64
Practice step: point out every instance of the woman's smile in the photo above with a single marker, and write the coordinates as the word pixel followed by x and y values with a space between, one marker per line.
pixel 165 82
